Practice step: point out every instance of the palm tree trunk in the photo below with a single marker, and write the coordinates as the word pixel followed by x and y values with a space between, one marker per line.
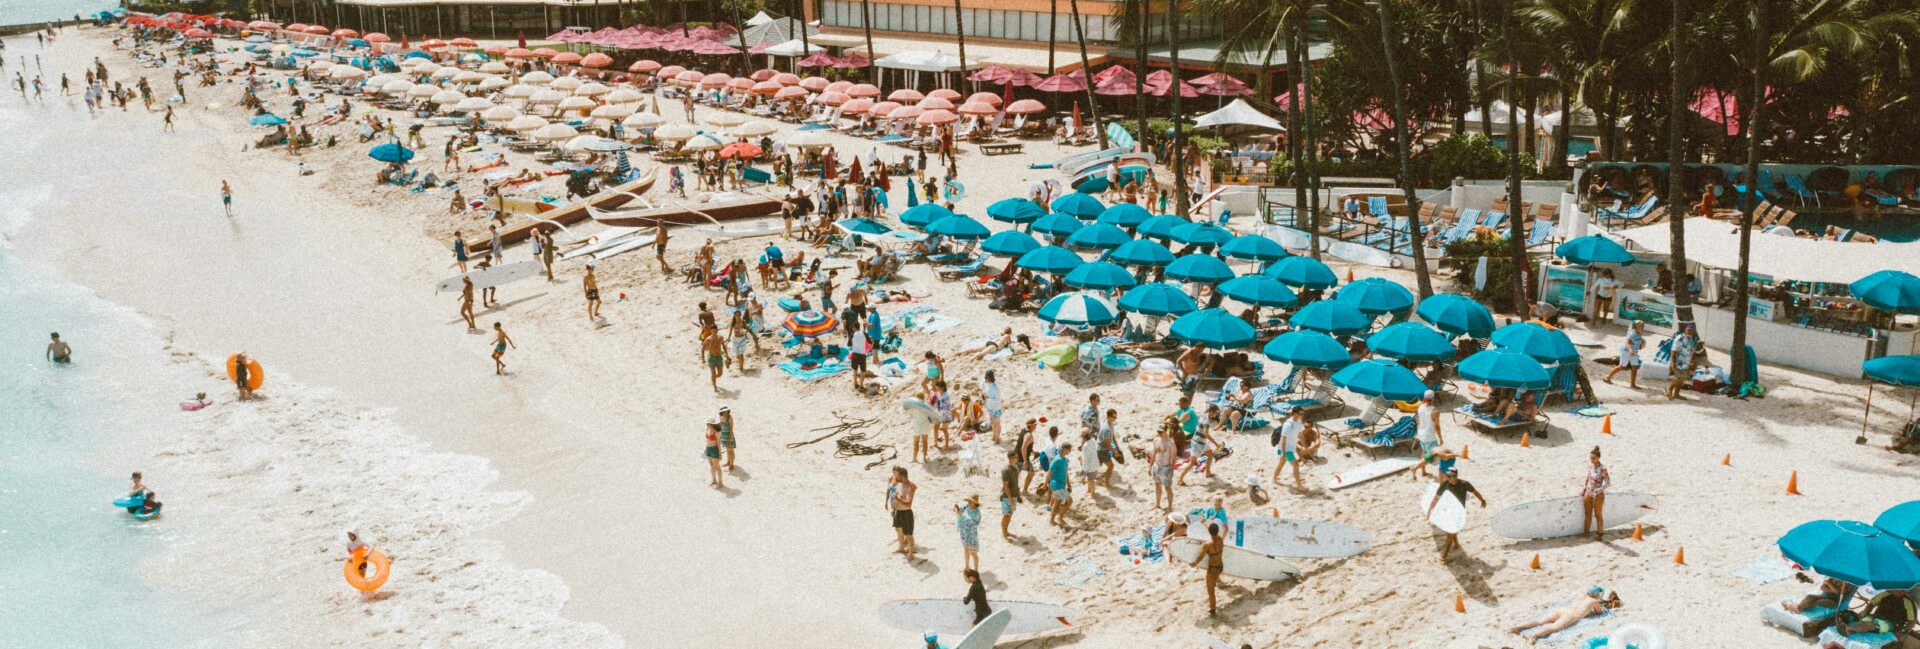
pixel 1748 202
pixel 1140 69
pixel 1080 34
pixel 746 59
pixel 1296 62
pixel 960 32
pixel 1563 136
pixel 1402 149
pixel 866 24
pixel 1516 236
pixel 1309 150
pixel 1178 160
pixel 1053 33
pixel 1676 156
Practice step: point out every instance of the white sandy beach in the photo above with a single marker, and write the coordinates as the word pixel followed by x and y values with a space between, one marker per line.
pixel 565 505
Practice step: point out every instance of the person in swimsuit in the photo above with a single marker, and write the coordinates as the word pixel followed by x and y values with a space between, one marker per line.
pixel 466 303
pixel 226 191
pixel 726 434
pixel 592 286
pixel 1593 496
pixel 460 251
pixel 737 339
pixel 1452 486
pixel 241 381
pixel 58 351
pixel 500 344
pixel 900 503
pixel 1214 552
pixel 935 367
pixel 1161 462
pixel 1200 447
pixel 660 244
pixel 1587 604
pixel 712 453
pixel 713 348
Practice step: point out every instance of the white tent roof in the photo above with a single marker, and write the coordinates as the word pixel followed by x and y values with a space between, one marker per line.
pixel 759 19
pixel 792 48
pixel 1240 113
pixel 924 61
pixel 1717 244
pixel 1499 114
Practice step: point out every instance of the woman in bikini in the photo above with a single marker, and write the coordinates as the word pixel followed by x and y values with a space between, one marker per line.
pixel 1214 552
pixel 712 453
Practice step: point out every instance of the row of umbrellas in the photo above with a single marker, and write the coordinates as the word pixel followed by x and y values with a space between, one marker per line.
pixel 1880 554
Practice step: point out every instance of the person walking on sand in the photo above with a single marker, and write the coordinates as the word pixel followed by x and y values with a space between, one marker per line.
pixel 166 119
pixel 1289 447
pixel 242 382
pixel 993 405
pixel 1214 552
pixel 487 294
pixel 1451 486
pixel 466 303
pixel 543 240
pixel 460 251
pixel 976 594
pixel 726 434
pixel 900 503
pixel 1426 433
pixel 591 285
pixel 1059 485
pixel 1593 496
pixel 967 520
pixel 494 250
pixel 660 246
pixel 226 190
pixel 1681 360
pixel 714 349
pixel 58 351
pixel 1161 461
pixel 1630 355
pixel 1009 493
pixel 500 344
pixel 712 453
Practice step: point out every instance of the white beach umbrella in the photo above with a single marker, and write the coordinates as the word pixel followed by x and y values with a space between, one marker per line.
pixel 612 111
pixel 492 83
pixel 555 133
pixel 643 120
pixel 447 97
pixel 472 104
pixel 526 123
pixel 808 140
pixel 320 65
pixel 346 72
pixel 623 96
pixel 500 114
pixel 580 142
pixel 673 132
pixel 493 67
pixel 536 78
pixel 725 119
pixel 703 142
pixel 468 76
pixel 547 96
pixel 380 80
pixel 519 91
pixel 414 65
pixel 575 103
pixel 396 87
pixel 423 91
pixel 566 83
pixel 592 89
pixel 752 129
pixel 446 72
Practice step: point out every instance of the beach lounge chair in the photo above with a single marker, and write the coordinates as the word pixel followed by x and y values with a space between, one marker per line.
pixel 1635 213
pixel 1807 623
pixel 957 271
pixel 1494 425
pixel 1344 430
pixel 1400 433
pixel 1798 185
pixel 1377 206
pixel 1834 636
pixel 969 457
pixel 1092 356
pixel 1764 188
pixel 1541 232
pixel 1321 399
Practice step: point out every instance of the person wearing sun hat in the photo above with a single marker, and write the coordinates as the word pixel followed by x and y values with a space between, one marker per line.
pixel 968 522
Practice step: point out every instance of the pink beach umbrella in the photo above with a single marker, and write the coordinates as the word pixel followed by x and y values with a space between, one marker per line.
pixel 976 108
pixel 742 83
pixel 839 86
pixel 863 90
pixel 671 71
pixel 884 109
pixel 762 75
pixel 690 77
pixel 935 103
pixel 905 95
pixel 815 84
pixel 1061 83
pixel 790 92
pixel 856 106
pixel 546 52
pixel 852 61
pixel 1026 107
pixel 991 74
pixel 786 79
pixel 906 112
pixel 766 88
pixel 519 53
pixel 1023 78
pixel 832 98
pixel 376 37
pixel 988 97
pixel 567 58
pixel 596 60
pixel 948 94
pixel 935 117
pixel 715 80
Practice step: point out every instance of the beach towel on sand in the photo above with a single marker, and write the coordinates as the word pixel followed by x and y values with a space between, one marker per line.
pixel 814 368
pixel 1139 548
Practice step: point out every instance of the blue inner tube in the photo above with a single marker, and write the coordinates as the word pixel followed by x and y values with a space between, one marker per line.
pixel 148 514
pixel 131 502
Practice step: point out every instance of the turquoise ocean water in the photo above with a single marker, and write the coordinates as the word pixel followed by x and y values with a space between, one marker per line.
pixel 17 12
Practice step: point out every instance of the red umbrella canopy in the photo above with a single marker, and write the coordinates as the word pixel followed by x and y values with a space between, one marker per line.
pixel 934 117
pixel 1159 82
pixel 991 74
pixel 743 83
pixel 816 60
pixel 199 33
pixel 767 87
pixel 1117 84
pixel 1024 79
pixel 463 42
pixel 856 106
pixel 1219 84
pixel 742 150
pixel 345 33
pixel 1061 83
pixel 853 61
pixel 1112 71
pixel 377 37
pixel 596 60
pixel 884 109
pixel 318 30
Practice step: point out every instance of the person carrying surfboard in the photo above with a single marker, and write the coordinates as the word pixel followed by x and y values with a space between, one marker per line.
pixel 1452 485
pixel 1214 552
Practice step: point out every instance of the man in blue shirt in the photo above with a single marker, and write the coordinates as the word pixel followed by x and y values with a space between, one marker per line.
pixel 1057 484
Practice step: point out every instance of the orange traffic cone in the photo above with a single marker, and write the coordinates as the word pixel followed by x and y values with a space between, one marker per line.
pixel 1726 460
pixel 1793 484
pixel 1463 452
pixel 1459 603
pixel 1526 440
pixel 1276 512
pixel 1349 275
pixel 1680 556
pixel 1637 532
pixel 1606 425
pixel 1535 564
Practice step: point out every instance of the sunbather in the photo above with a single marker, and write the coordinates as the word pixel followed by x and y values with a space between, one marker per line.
pixel 1005 341
pixel 1239 403
pixel 1890 611
pixel 1588 604
pixel 1829 596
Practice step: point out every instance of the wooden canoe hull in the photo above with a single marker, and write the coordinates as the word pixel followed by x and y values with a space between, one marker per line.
pixel 750 206
pixel 572 213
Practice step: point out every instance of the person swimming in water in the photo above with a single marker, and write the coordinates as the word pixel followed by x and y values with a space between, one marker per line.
pixel 58 351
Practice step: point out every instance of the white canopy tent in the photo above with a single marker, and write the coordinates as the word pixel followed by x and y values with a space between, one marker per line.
pixel 1238 113
pixel 793 48
pixel 759 19
pixel 1717 244
pixel 925 61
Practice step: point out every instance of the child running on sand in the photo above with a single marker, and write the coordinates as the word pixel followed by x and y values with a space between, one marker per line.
pixel 500 344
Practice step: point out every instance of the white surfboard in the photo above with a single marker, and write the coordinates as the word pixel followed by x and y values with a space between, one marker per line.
pixel 1365 472
pixel 1237 562
pixel 1557 517
pixel 987 632
pixel 492 277
pixel 1449 515
pixel 1286 537
pixel 952 616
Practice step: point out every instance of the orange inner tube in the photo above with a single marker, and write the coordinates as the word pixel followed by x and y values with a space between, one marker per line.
pixel 255 375
pixel 378 569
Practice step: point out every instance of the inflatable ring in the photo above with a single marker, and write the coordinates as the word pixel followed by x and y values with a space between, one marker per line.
pixel 954 190
pixel 378 569
pixel 1636 636
pixel 255 375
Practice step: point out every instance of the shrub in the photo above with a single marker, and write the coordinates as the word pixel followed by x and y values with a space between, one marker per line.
pixel 1461 258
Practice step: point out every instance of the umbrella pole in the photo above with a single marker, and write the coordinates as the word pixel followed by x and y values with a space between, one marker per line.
pixel 1866 417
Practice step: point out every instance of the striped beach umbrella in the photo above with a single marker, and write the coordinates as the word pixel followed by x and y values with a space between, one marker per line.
pixel 810 323
pixel 1079 309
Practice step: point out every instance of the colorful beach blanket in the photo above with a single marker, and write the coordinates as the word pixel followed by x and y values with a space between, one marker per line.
pixel 1144 547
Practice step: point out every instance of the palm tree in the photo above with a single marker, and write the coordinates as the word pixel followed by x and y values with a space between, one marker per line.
pixel 1402 146
pixel 1677 96
pixel 866 25
pixel 1080 34
pixel 960 31
pixel 1516 237
pixel 1748 204
pixel 1585 39
pixel 1280 23
pixel 1177 153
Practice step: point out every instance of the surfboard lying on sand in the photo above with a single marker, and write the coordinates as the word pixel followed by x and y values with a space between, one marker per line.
pixel 988 632
pixel 1286 537
pixel 1557 517
pixel 491 277
pixel 952 616
pixel 1449 515
pixel 1237 562
pixel 1365 472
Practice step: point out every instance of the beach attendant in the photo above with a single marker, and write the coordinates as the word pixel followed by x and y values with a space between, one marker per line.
pixel 967 521
pixel 1452 486
pixel 712 452
pixel 500 344
pixel 58 351
pixel 1630 355
pixel 1593 495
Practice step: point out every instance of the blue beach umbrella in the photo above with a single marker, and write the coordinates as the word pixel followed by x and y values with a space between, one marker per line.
pixel 391 152
pixel 913 195
pixel 1161 227
pixel 1079 309
pixel 1533 339
pixel 1505 368
pixel 1853 552
pixel 1010 243
pixel 1125 215
pixel 1058 224
pixel 1331 317
pixel 1015 210
pixel 473 57
pixel 923 215
pixel 1895 370
pixel 1456 314
pixel 1202 234
pixel 1079 205
pixel 1381 378
pixel 862 226
pixel 1050 259
pixel 1253 247
pixel 267 119
pixel 1259 290
pixel 356 43
pixel 1411 342
pixel 1141 252
pixel 1308 349
pixel 1889 290
pixel 423 55
pixel 1199 268
pixel 1213 329
pixel 1375 295
pixel 959 227
pixel 1157 299
pixel 1100 275
pixel 1593 249
pixel 1902 521
pixel 1302 272
pixel 1098 236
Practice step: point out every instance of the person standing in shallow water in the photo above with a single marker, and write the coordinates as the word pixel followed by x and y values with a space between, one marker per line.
pixel 58 351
